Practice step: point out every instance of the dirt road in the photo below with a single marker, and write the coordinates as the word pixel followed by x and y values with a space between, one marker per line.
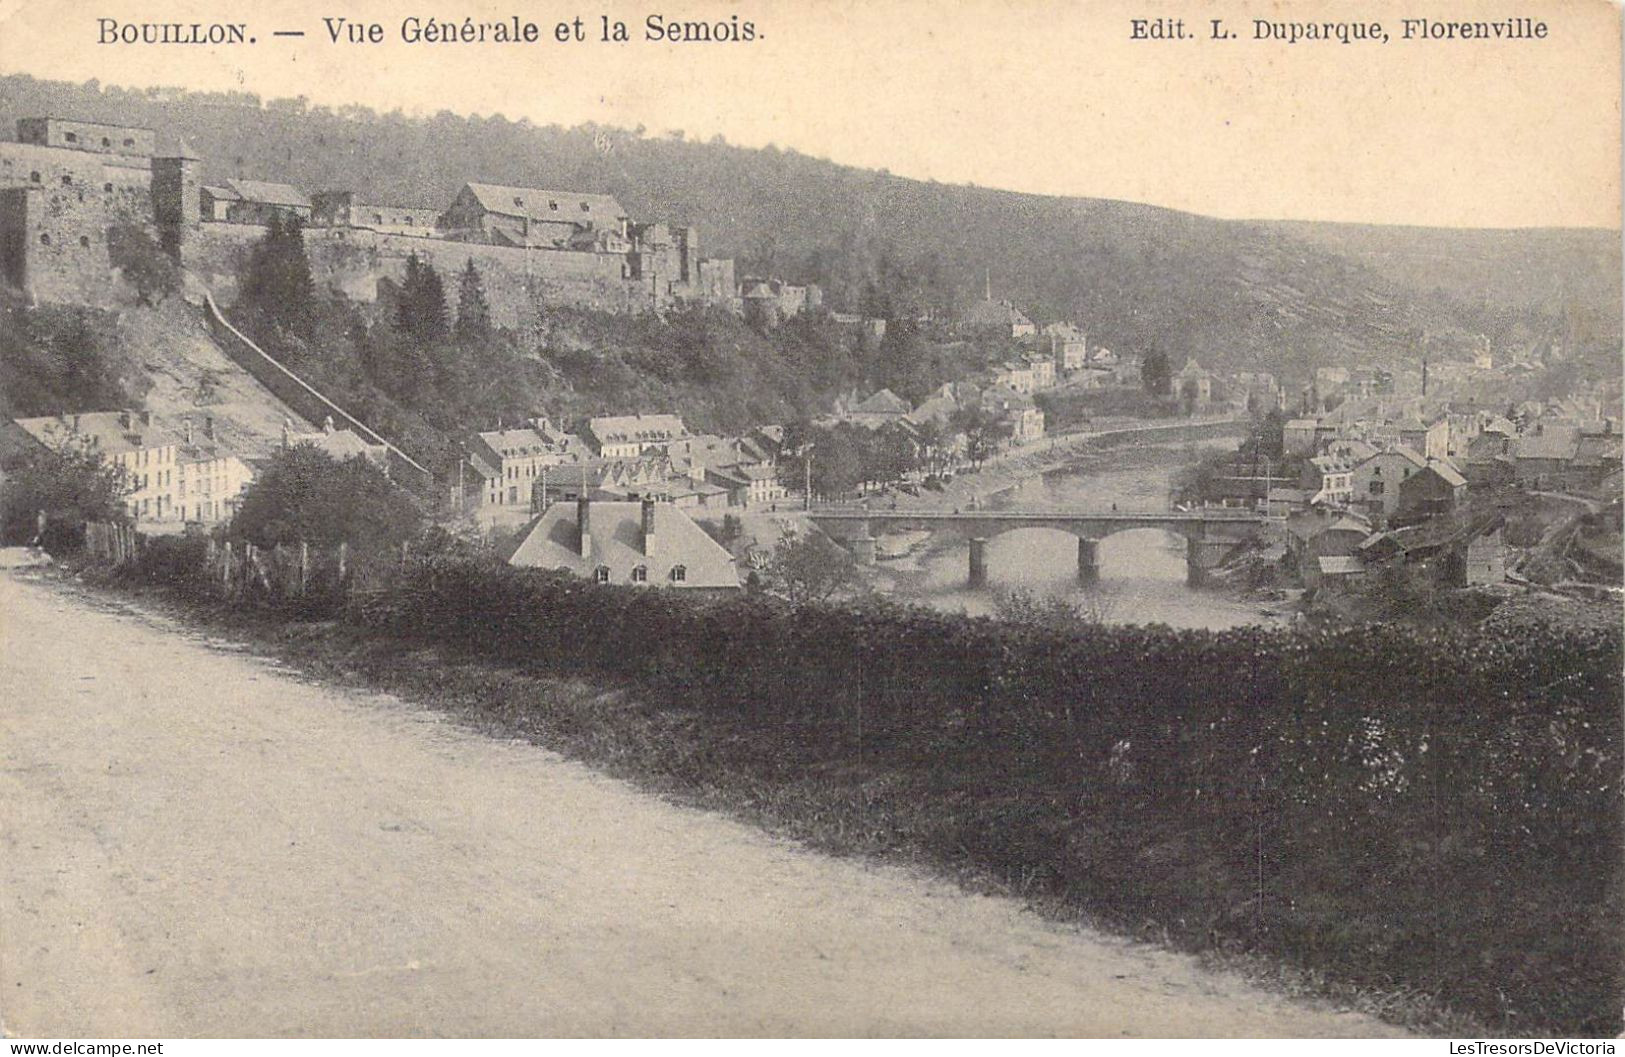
pixel 193 843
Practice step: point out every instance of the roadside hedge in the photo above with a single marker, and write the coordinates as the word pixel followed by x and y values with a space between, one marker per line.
pixel 1411 812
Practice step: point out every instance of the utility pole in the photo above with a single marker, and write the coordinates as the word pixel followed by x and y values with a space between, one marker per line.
pixel 806 465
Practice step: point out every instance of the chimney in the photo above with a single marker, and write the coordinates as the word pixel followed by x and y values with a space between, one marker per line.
pixel 648 527
pixel 125 422
pixel 208 426
pixel 146 418
pixel 189 433
pixel 584 524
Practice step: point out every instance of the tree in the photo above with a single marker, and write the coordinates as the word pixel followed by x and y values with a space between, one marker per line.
pixel 278 293
pixel 1156 373
pixel 810 568
pixel 983 432
pixel 70 484
pixel 307 496
pixel 420 314
pixel 143 263
pixel 473 313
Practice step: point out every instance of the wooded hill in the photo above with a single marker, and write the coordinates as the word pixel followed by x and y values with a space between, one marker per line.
pixel 1285 296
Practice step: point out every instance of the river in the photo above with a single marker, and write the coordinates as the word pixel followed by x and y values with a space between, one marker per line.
pixel 1142 571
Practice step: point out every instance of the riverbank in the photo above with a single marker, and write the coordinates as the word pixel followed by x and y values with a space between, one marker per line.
pixel 1008 469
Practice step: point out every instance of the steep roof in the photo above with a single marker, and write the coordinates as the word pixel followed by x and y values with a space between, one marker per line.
pixel 1553 443
pixel 995 314
pixel 622 429
pixel 883 402
pixel 108 432
pixel 541 204
pixel 272 194
pixel 553 541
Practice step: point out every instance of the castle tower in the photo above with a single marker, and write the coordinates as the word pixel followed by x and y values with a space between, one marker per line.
pixel 176 203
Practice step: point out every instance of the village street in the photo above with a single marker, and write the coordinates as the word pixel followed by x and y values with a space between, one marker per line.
pixel 196 843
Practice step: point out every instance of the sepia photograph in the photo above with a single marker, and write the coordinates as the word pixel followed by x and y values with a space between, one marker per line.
pixel 810 519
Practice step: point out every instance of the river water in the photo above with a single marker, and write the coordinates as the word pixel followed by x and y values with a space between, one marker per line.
pixel 1142 571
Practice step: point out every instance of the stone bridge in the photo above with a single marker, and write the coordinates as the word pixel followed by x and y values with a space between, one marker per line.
pixel 1210 535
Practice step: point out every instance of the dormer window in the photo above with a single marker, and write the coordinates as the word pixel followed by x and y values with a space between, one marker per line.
pixel 679 573
pixel 640 575
pixel 601 574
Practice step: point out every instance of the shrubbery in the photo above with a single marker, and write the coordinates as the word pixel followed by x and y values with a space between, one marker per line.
pixel 1433 812
pixel 1437 812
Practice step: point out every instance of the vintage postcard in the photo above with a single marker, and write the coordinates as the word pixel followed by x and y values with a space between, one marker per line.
pixel 810 518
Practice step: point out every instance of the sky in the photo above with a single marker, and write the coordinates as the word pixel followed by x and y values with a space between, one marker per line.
pixel 1046 96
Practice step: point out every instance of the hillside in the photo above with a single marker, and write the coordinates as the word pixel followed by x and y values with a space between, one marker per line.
pixel 1285 296
pixel 163 360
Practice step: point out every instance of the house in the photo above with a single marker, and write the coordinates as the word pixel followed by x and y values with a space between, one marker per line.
pixel 533 216
pixel 1016 375
pixel 1043 368
pixel 253 202
pixel 1298 436
pixel 1434 490
pixel 1328 479
pixel 1068 346
pixel 1375 481
pixel 1488 462
pixel 147 454
pixel 347 209
pixel 210 480
pixel 1544 455
pixel 644 543
pixel 519 460
pixel 1483 559
pixel 1194 382
pixel 882 408
pixel 624 436
pixel 339 444
pixel 1025 419
pixel 1315 534
pixel 1000 318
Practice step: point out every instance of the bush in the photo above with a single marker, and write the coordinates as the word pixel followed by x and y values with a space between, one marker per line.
pixel 1438 811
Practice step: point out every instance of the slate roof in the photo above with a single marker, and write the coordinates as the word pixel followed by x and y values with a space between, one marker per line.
pixel 553 541
pixel 270 194
pixel 883 402
pixel 620 429
pixel 538 204
pixel 106 431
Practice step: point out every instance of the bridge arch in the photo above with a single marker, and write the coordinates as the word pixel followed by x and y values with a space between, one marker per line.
pixel 1208 535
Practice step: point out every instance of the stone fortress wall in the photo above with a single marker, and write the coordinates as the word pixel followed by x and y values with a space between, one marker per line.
pixel 63 184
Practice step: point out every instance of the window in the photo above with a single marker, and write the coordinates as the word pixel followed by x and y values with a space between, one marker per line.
pixel 601 574
pixel 45 240
pixel 409 220
pixel 108 188
pixel 518 201
pixel 108 143
pixel 585 208
pixel 679 573
pixel 84 240
pixel 640 575
pixel 67 181
pixel 129 143
pixel 34 176
pixel 1376 488
pixel 73 137
pixel 554 206
pixel 378 218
